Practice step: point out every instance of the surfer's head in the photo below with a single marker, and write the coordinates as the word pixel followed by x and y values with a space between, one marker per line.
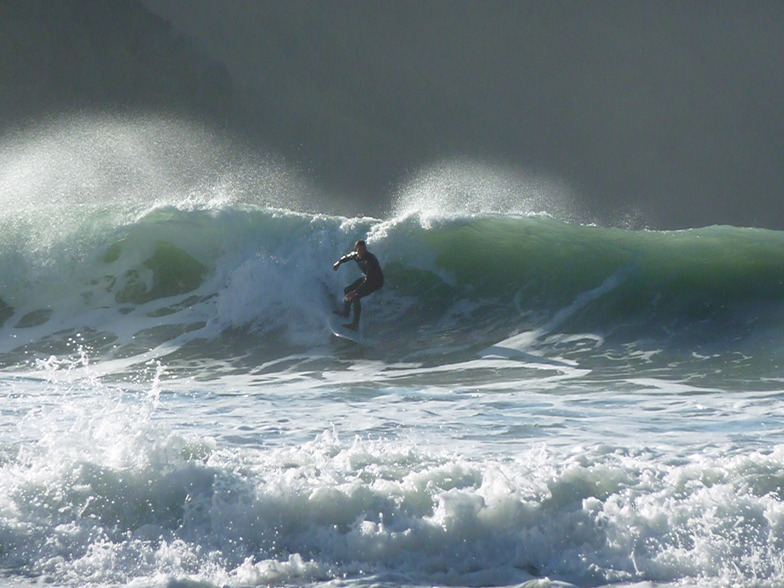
pixel 360 248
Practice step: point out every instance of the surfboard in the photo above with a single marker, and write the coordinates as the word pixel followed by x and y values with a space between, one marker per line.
pixel 336 322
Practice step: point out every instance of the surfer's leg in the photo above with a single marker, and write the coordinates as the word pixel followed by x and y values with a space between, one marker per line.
pixel 357 311
pixel 346 308
pixel 347 303
pixel 354 325
pixel 353 285
pixel 362 291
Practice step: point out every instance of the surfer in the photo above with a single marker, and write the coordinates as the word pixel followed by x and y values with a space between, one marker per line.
pixel 372 280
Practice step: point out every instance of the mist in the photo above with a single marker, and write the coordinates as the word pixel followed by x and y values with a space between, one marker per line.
pixel 644 114
pixel 665 111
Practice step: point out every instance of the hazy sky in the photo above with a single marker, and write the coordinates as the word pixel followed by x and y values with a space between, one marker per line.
pixel 667 110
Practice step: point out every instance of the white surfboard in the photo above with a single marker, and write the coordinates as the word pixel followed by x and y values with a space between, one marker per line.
pixel 336 323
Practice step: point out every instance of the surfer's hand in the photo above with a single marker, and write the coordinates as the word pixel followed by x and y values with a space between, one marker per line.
pixel 336 265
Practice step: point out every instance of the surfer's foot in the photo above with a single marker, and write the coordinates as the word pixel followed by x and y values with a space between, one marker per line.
pixel 340 313
pixel 352 326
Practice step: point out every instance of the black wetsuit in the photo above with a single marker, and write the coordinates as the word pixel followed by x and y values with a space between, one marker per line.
pixel 372 280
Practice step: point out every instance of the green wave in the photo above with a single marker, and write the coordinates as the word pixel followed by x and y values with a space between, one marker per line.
pixel 452 277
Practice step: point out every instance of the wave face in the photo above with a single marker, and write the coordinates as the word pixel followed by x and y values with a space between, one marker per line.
pixel 194 274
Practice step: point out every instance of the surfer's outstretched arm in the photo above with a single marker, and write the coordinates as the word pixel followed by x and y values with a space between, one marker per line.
pixel 344 259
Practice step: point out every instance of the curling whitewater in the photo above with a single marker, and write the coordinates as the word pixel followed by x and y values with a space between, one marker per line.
pixel 542 404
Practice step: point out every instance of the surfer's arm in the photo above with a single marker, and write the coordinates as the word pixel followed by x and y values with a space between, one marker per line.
pixel 344 259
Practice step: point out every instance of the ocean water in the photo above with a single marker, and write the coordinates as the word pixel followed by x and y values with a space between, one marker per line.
pixel 539 403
